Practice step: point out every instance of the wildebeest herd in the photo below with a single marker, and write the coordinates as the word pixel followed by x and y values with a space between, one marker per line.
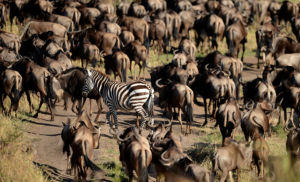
pixel 119 34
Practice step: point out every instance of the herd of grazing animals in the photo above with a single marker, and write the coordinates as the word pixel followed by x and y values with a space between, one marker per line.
pixel 57 32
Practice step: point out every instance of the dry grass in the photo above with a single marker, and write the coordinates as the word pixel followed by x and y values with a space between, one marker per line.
pixel 15 154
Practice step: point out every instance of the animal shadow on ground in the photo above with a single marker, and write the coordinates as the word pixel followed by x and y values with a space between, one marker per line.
pixel 53 173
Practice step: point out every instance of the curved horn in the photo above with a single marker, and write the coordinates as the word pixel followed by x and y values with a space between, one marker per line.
pixel 151 126
pixel 157 83
pixel 159 149
pixel 169 124
pixel 206 67
pixel 164 161
pixel 121 139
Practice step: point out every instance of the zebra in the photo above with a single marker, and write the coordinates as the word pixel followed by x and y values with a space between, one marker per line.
pixel 137 95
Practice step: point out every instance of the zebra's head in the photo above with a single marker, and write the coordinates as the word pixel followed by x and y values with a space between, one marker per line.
pixel 88 85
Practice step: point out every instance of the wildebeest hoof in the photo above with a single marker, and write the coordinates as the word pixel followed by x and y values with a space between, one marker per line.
pixel 68 171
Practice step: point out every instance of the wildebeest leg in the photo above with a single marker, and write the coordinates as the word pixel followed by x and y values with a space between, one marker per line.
pixel 224 176
pixel 29 100
pixel 237 175
pixel 37 112
pixel 51 109
pixel 179 118
pixel 169 111
pixel 285 116
pixel 292 117
pixel 243 52
pixel 1 102
pixel 205 111
pixel 79 107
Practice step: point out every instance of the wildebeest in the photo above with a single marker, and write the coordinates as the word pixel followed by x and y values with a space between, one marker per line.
pixel 232 156
pixel 292 145
pixel 260 153
pixel 265 35
pixel 287 11
pixel 292 60
pixel 228 118
pixel 285 45
pixel 261 88
pixel 138 27
pixel 210 26
pixel 289 98
pixel 213 85
pixel 236 34
pixel 10 85
pixel 118 63
pixel 139 55
pixel 256 120
pixel 38 79
pixel 83 137
pixel 37 27
pixel 10 40
pixel 176 95
pixel 135 153
pixel 72 81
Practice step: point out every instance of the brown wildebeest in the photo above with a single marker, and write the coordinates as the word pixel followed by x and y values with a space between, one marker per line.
pixel 139 55
pixel 287 11
pixel 256 120
pixel 233 156
pixel 123 8
pixel 292 60
pixel 106 26
pixel 228 118
pixel 36 27
pixel 118 63
pixel 90 53
pixel 126 37
pixel 135 153
pixel 139 28
pixel 175 95
pixel 83 137
pixel 171 162
pixel 38 79
pixel 158 32
pixel 236 34
pixel 260 153
pixel 11 86
pixel 289 98
pixel 285 45
pixel 292 145
pixel 213 85
pixel 74 14
pixel 89 16
pixel 10 40
pixel 63 20
pixel 265 35
pixel 187 19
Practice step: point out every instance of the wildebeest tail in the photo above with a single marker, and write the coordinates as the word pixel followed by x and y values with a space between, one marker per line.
pixel 231 43
pixel 87 160
pixel 190 103
pixel 25 29
pixel 124 69
pixel 143 170
pixel 146 37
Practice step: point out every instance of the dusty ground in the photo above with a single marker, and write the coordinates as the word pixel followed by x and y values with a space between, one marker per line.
pixel 47 143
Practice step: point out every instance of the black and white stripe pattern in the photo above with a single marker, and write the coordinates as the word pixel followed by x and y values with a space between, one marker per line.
pixel 136 96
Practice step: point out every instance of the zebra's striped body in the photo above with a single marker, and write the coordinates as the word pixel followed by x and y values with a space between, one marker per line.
pixel 136 96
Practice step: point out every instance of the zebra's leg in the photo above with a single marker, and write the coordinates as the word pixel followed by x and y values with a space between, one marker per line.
pixel 140 110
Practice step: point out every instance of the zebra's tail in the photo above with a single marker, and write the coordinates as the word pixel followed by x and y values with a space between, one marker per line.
pixel 149 105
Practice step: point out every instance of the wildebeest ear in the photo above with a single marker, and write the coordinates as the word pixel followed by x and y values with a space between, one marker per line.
pixel 63 123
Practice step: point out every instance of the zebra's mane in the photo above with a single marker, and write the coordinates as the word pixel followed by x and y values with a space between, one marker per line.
pixel 72 69
pixel 100 72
